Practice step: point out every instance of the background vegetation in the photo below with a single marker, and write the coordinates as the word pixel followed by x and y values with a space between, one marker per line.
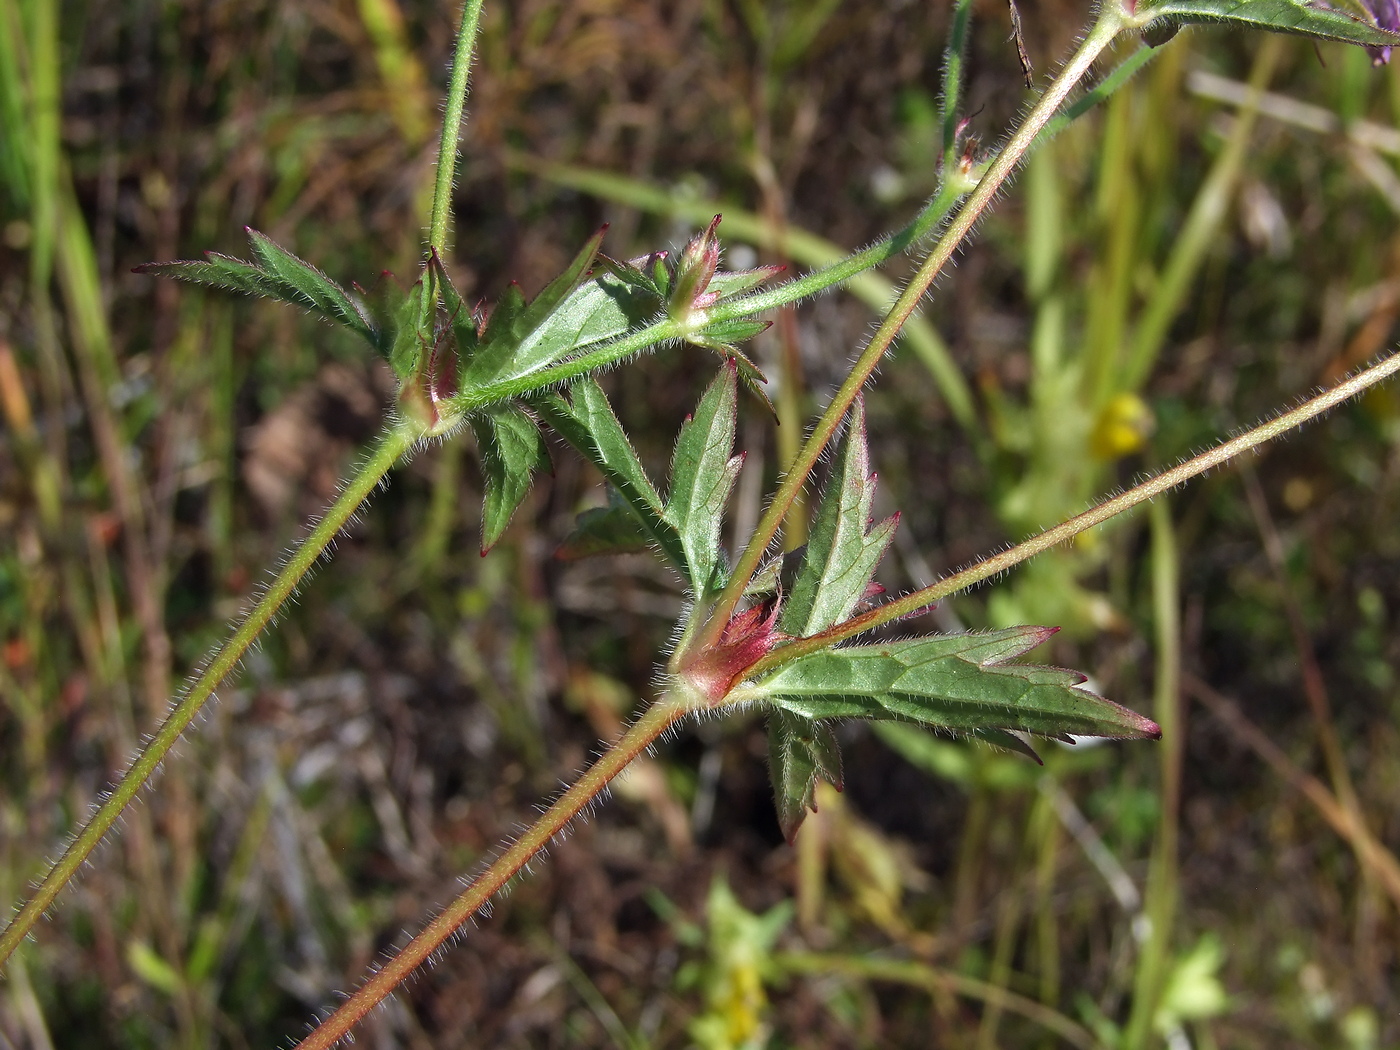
pixel 1172 266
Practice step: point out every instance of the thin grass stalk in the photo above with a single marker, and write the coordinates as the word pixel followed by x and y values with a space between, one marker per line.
pixel 1009 914
pixel 921 975
pixel 1198 231
pixel 1381 862
pixel 1162 892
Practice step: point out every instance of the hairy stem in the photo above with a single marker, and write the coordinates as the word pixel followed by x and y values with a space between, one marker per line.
pixel 1167 480
pixel 452 125
pixel 955 185
pixel 951 102
pixel 1105 29
pixel 394 443
pixel 642 734
pixel 664 331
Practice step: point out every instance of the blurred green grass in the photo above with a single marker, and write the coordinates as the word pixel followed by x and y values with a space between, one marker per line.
pixel 1165 270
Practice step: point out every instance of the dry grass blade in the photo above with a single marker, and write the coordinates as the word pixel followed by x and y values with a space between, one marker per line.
pixel 1371 852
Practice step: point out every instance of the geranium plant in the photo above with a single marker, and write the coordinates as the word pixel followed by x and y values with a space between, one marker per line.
pixel 789 635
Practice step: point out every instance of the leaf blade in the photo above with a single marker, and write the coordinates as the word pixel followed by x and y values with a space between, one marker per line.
pixel 315 289
pixel 511 449
pixel 586 420
pixel 603 530
pixel 1282 16
pixel 702 475
pixel 951 682
pixel 841 555
pixel 280 276
pixel 800 752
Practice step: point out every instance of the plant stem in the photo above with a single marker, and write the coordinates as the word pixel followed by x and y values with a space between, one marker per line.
pixel 390 447
pixel 951 102
pixel 1102 34
pixel 954 186
pixel 554 375
pixel 642 734
pixel 747 306
pixel 452 125
pixel 999 563
pixel 1103 90
pixel 950 191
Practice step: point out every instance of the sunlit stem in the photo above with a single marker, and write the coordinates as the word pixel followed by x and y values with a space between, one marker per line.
pixel 452 126
pixel 1102 34
pixel 672 706
pixel 1167 480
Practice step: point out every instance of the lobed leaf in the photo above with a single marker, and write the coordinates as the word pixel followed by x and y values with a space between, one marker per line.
pixel 646 273
pixel 613 529
pixel 511 449
pixel 800 751
pixel 577 310
pixel 279 275
pixel 587 421
pixel 952 682
pixel 1283 16
pixel 702 475
pixel 841 555
pixel 729 283
pixel 558 290
pixel 318 290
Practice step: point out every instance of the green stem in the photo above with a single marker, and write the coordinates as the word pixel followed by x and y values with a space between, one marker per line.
pixel 1103 90
pixel 1167 480
pixel 642 734
pixel 1102 34
pixel 452 126
pixel 664 331
pixel 555 375
pixel 951 102
pixel 949 193
pixel 954 187
pixel 391 446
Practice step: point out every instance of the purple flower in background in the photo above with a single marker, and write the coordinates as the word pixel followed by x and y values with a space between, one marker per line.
pixel 1387 16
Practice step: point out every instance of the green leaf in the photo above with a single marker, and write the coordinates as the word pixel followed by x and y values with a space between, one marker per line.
pixel 499 341
pixel 729 283
pixel 841 555
pixel 613 529
pixel 511 449
pixel 587 422
pixel 574 312
pixel 407 331
pixel 800 751
pixel 634 273
pixel 1282 16
pixel 702 475
pixel 766 580
pixel 318 290
pixel 952 682
pixel 563 286
pixel 466 329
pixel 280 275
